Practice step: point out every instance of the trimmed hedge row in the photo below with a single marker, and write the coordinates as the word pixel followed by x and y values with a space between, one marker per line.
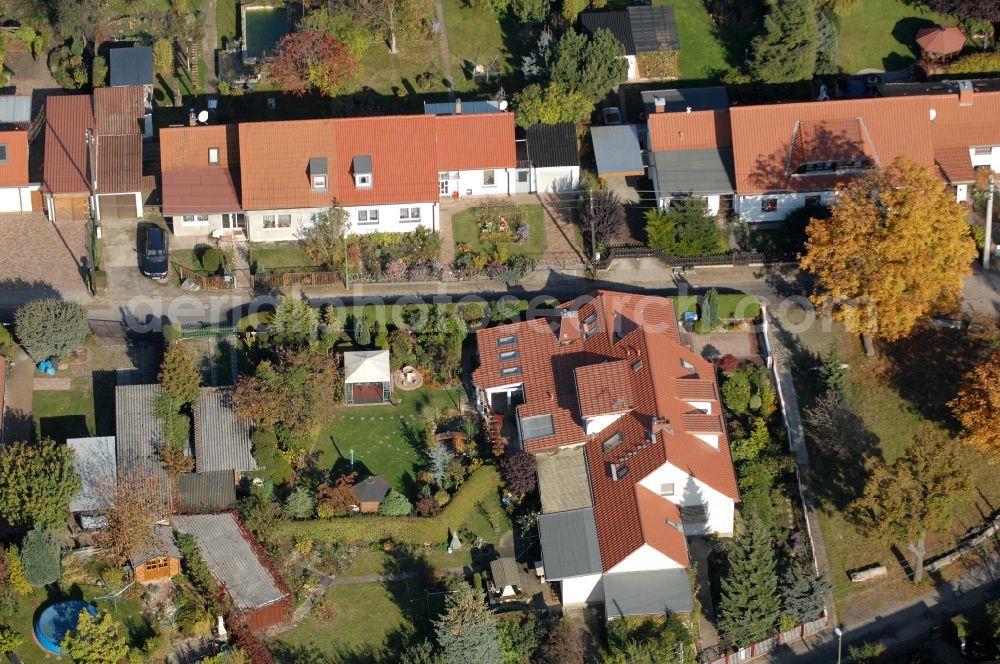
pixel 481 487
pixel 731 306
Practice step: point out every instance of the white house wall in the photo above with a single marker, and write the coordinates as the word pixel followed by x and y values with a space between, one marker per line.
pixel 644 559
pixel 587 589
pixel 16 199
pixel 992 159
pixel 556 179
pixel 748 207
pixel 195 228
pixel 595 425
pixel 388 221
pixel 470 183
pixel 690 492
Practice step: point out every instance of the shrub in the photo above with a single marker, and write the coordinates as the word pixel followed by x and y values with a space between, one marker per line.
pixel 9 638
pixel 171 333
pixel 15 571
pixel 195 568
pixel 395 504
pixel 40 553
pixel 299 504
pixel 270 457
pixel 6 342
pixel 212 260
pixel 163 55
pixel 519 473
pixel 984 62
pixel 51 328
pixel 99 71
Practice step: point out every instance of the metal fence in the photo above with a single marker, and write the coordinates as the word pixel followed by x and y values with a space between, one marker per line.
pixel 207 331
pixel 761 648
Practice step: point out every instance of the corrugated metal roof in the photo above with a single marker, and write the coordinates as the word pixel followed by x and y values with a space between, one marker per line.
pixel 221 439
pixel 616 21
pixel 213 491
pixel 617 150
pixel 94 461
pixel 563 481
pixel 15 109
pixel 138 434
pixel 684 172
pixel 132 66
pixel 231 559
pixel 569 544
pixel 67 119
pixel 653 28
pixel 647 593
pixel 552 145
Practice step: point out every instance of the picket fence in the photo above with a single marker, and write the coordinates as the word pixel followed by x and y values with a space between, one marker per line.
pixel 767 645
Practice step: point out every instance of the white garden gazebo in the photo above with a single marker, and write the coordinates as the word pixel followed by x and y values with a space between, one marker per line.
pixel 367 377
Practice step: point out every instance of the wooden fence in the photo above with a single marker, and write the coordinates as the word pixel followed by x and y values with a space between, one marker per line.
pixel 767 645
pixel 734 257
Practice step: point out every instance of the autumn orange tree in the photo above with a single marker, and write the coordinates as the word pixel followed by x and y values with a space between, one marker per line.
pixel 138 501
pixel 895 246
pixel 309 59
pixel 978 403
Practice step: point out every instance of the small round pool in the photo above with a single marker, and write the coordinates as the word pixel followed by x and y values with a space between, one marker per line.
pixel 56 620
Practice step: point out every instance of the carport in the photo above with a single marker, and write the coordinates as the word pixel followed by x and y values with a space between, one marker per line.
pixel 70 208
pixel 617 151
pixel 118 206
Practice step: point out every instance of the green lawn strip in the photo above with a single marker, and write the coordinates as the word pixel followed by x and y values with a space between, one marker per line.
pixel 282 256
pixel 369 562
pixel 385 73
pixel 731 305
pixel 227 20
pixel 881 34
pixel 187 258
pixel 62 414
pixel 702 52
pixel 474 37
pixel 481 487
pixel 369 621
pixel 466 231
pixel 387 440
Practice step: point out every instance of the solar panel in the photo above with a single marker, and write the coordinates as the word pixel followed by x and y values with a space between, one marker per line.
pixel 537 426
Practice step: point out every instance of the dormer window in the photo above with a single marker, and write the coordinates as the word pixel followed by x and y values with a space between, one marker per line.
pixel 361 166
pixel 318 173
pixel 213 155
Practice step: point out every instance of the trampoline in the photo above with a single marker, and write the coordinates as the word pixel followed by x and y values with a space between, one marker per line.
pixel 55 620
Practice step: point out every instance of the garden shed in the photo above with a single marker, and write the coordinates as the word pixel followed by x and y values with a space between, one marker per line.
pixel 506 577
pixel 367 377
pixel 369 493
pixel 94 461
pixel 158 558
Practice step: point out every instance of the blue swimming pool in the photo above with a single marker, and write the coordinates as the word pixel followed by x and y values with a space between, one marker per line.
pixel 56 620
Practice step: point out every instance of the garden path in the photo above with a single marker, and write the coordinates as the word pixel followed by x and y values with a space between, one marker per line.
pixel 17 421
pixel 449 79
pixel 209 40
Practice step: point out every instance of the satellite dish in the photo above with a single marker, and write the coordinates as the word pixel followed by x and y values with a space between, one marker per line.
pixel 503 104
pixel 203 117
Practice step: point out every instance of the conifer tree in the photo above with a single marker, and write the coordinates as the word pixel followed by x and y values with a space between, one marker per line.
pixel 786 51
pixel 803 592
pixel 749 608
pixel 467 632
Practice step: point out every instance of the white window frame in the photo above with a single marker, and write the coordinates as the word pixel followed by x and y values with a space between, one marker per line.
pixel 5 149
pixel 490 181
pixel 319 182
pixel 368 217
pixel 363 180
pixel 275 219
pixel 409 214
pixel 213 156
pixel 194 219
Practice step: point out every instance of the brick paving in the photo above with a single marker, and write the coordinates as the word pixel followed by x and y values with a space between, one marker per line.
pixel 40 257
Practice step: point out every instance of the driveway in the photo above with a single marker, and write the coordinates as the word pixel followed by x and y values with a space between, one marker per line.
pixel 119 246
pixel 41 259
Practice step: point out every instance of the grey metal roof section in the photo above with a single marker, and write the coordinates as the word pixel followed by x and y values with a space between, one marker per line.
pixel 505 572
pixel 132 66
pixel 361 164
pixel 569 544
pixel 617 150
pixel 683 172
pixel 680 99
pixel 372 489
pixel 15 109
pixel 231 559
pixel 653 28
pixel 563 480
pixel 615 21
pixel 552 145
pixel 536 426
pixel 162 544
pixel 138 434
pixel 94 460
pixel 647 593
pixel 221 439
pixel 201 493
pixel 317 166
pixel 468 107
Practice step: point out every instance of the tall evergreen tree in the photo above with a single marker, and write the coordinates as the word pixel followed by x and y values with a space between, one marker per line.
pixel 710 310
pixel 803 592
pixel 467 632
pixel 786 51
pixel 749 608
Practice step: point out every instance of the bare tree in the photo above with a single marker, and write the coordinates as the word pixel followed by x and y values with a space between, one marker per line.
pixel 603 215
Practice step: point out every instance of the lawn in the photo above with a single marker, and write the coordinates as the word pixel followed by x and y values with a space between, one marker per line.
pixel 395 75
pixel 387 440
pixel 880 34
pixel 62 414
pixel 475 37
pixel 893 396
pixel 281 255
pixel 465 231
pixel 227 19
pixel 361 623
pixel 703 54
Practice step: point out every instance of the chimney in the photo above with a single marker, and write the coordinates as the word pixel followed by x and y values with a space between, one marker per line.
pixel 192 118
pixel 569 327
pixel 653 429
pixel 965 93
pixel 659 104
pixel 458 106
pixel 688 109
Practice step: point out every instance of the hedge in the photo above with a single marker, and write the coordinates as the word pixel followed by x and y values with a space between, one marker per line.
pixel 731 306
pixel 481 487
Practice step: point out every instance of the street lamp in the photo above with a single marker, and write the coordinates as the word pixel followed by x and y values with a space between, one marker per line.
pixel 840 639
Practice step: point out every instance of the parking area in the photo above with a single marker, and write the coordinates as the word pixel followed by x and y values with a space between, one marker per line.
pixel 119 246
pixel 39 258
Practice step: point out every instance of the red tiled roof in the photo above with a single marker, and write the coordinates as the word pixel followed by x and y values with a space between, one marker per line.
pixel 691 389
pixel 702 423
pixel 14 172
pixel 119 163
pixel 190 183
pixel 689 131
pixel 274 163
pixel 119 110
pixel 67 119
pixel 471 142
pixel 661 525
pixel 954 164
pixel 633 350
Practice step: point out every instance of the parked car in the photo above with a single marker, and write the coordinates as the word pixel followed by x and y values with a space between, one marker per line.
pixel 153 256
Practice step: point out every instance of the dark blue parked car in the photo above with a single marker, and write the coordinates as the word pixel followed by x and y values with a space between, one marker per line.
pixel 153 257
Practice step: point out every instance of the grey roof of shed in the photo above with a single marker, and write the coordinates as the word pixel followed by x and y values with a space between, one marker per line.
pixel 551 145
pixel 563 480
pixel 569 544
pixel 15 109
pixel 221 439
pixel 371 489
pixel 231 559
pixel 162 544
pixel 213 491
pixel 132 66
pixel 653 28
pixel 707 171
pixel 713 98
pixel 94 460
pixel 647 593
pixel 138 434
pixel 617 150
pixel 617 21
pixel 505 572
